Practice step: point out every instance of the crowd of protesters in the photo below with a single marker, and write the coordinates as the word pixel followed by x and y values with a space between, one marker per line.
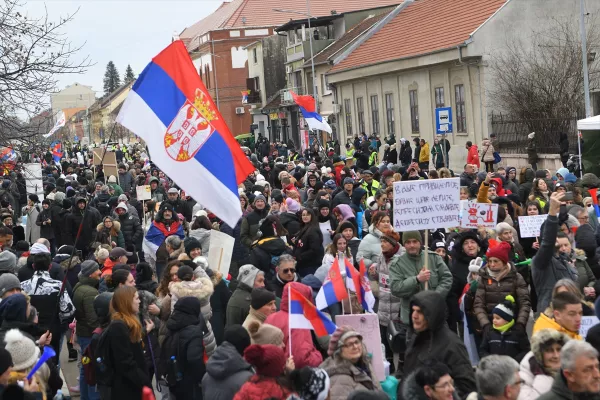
pixel 479 314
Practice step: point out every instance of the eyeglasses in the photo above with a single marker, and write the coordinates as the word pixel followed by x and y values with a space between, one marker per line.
pixel 289 271
pixel 354 343
pixel 445 385
pixel 584 218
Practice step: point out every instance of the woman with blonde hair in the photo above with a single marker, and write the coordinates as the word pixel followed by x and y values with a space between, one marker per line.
pixel 123 353
pixel 568 285
pixel 444 173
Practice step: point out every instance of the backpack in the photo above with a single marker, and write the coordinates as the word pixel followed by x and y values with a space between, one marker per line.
pixel 104 209
pixel 104 371
pixel 89 361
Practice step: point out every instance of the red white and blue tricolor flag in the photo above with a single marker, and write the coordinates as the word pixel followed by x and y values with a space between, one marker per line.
pixel 309 112
pixel 358 282
pixel 170 108
pixel 304 315
pixel 57 153
pixel 594 194
pixel 333 290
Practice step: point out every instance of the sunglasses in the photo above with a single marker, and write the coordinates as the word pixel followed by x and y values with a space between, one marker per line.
pixel 289 271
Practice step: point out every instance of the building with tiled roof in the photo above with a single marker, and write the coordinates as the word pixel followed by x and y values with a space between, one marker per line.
pixel 217 45
pixel 429 54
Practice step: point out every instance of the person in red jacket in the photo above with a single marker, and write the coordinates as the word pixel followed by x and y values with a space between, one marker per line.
pixel 303 351
pixel 473 154
pixel 270 364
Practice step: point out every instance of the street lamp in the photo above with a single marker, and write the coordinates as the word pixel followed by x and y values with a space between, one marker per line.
pixel 312 61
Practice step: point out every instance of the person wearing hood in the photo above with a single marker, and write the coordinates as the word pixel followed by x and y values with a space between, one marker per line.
pixel 541 365
pixel 109 232
pixel 289 218
pixel 511 182
pixel 370 247
pixel 348 230
pixel 238 307
pixel 405 156
pixel 200 230
pixel 550 264
pixel 432 339
pixel 88 221
pixel 526 178
pixel 325 221
pixel 532 154
pixel 131 228
pixel 472 154
pixel 348 365
pixel 156 190
pixel 408 275
pixel 269 247
pixel 250 223
pixel 83 299
pixel 303 349
pixel 226 370
pixel 186 329
pixel 285 272
pixel 358 207
pixel 308 244
pixel 58 216
pixel 114 186
pixel 44 222
pixel 487 154
pixel 32 210
pixel 15 313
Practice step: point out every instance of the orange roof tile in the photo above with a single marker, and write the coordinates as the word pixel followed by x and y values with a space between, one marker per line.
pixel 422 27
pixel 254 13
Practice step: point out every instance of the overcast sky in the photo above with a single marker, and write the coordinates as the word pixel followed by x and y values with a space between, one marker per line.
pixel 124 31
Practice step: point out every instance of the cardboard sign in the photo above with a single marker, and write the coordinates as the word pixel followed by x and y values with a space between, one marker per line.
pixel 530 225
pixel 33 179
pixel 143 192
pixel 220 251
pixel 476 214
pixel 368 326
pixel 426 204
pixel 586 324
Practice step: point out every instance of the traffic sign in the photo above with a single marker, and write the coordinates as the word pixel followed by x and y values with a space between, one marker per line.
pixel 443 120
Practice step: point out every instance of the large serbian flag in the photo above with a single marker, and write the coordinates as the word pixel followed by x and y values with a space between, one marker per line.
pixel 170 108
pixel 309 112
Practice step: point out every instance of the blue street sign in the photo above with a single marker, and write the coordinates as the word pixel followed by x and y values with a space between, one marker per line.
pixel 443 120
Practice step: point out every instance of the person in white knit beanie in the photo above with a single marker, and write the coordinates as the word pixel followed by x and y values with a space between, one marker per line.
pixel 25 353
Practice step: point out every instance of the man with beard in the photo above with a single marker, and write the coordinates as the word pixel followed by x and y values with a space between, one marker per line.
pixel 250 223
pixel 180 206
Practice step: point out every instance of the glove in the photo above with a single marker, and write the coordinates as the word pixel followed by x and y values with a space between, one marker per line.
pixel 475 265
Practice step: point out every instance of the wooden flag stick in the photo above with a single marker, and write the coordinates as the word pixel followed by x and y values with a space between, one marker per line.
pixel 426 255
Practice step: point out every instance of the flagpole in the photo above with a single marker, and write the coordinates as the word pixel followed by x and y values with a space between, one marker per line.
pixel 289 326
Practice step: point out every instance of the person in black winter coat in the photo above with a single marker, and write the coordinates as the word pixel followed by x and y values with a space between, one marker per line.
pixel 504 339
pixel 308 244
pixel 131 228
pixel 405 152
pixel 417 154
pixel 240 252
pixel 180 206
pixel 265 253
pixel 44 221
pixel 184 340
pixel 75 218
pixel 563 141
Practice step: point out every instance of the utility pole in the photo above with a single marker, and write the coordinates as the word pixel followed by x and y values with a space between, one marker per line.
pixel 584 56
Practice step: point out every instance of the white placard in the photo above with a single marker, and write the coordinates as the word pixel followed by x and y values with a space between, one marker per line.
pixel 530 225
pixel 143 192
pixel 476 214
pixel 33 179
pixel 368 326
pixel 426 204
pixel 586 324
pixel 220 252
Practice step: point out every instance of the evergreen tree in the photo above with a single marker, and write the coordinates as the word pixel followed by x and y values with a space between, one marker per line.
pixel 129 75
pixel 112 81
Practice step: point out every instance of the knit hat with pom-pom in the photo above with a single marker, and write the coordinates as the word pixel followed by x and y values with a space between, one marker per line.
pixel 339 337
pixel 268 360
pixel 505 309
pixel 22 349
pixel 265 334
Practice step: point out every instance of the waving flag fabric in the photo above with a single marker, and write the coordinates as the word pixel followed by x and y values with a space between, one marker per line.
pixel 313 119
pixel 169 107
pixel 358 282
pixel 333 290
pixel 157 234
pixel 57 153
pixel 60 122
pixel 594 194
pixel 304 315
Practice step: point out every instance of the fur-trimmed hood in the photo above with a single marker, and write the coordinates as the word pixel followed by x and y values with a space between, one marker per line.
pixel 201 288
pixel 412 391
pixel 116 226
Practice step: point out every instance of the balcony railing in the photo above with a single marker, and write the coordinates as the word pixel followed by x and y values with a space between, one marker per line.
pixel 286 95
pixel 254 97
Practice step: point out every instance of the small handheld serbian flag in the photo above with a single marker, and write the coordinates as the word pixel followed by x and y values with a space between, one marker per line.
pixel 333 290
pixel 594 194
pixel 358 282
pixel 307 107
pixel 57 153
pixel 170 108
pixel 304 315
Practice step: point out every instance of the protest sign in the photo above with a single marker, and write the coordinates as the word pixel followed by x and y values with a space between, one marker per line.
pixel 426 204
pixel 220 251
pixel 33 179
pixel 143 192
pixel 530 225
pixel 368 326
pixel 586 324
pixel 476 214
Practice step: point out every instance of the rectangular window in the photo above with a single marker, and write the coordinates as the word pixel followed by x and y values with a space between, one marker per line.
pixel 360 110
pixel 389 113
pixel 254 56
pixel 414 110
pixel 348 112
pixel 439 97
pixel 461 114
pixel 375 113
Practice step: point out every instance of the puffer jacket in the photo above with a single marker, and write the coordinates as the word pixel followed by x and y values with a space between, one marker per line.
pixel 203 236
pixel 83 299
pixel 250 225
pixel 126 181
pixel 389 305
pixel 226 372
pixel 238 306
pixel 403 279
pixel 490 293
pixel 114 235
pixel 487 151
pixel 132 230
pixel 46 231
pixel 346 377
pixel 70 267
pixel 291 223
pixel 264 252
pixel 308 251
pixel 303 349
pixel 202 289
pixel 526 186
pixel 262 387
pixel 369 248
pixel 535 381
